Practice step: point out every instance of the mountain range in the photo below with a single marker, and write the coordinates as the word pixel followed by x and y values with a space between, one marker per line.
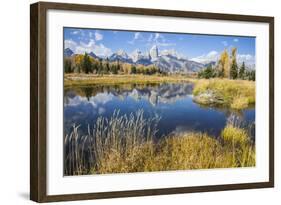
pixel 167 60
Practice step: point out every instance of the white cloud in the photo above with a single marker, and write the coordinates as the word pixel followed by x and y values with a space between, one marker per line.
pixel 137 35
pixel 206 58
pixel 98 36
pixel 80 32
pixel 70 44
pixel 91 46
pixel 159 40
pixel 75 32
pixel 224 43
pixel 236 40
pixel 247 58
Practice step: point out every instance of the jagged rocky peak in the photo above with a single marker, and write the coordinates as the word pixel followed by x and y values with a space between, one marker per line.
pixel 122 53
pixel 171 52
pixel 136 55
pixel 154 53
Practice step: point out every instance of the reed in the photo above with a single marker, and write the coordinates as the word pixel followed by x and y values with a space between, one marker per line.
pixel 123 144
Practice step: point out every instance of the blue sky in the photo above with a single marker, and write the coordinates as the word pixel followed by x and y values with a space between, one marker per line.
pixel 192 46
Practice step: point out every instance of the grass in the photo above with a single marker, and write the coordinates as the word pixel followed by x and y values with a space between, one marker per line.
pixel 124 144
pixel 93 79
pixel 235 94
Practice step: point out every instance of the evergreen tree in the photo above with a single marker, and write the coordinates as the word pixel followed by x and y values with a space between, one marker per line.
pixel 252 75
pixel 106 67
pixel 242 71
pixel 118 66
pixel 207 73
pixel 234 66
pixel 133 69
pixel 114 69
pixel 87 64
pixel 67 66
pixel 100 67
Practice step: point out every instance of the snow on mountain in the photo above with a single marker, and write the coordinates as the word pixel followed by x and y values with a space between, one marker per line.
pixel 167 60
pixel 171 52
pixel 212 56
pixel 139 58
pixel 172 64
pixel 153 52
pixel 122 56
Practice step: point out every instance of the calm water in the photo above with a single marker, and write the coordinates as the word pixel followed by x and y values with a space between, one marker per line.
pixel 173 102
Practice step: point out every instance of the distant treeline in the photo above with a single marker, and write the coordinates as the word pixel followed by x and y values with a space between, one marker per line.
pixel 87 64
pixel 227 67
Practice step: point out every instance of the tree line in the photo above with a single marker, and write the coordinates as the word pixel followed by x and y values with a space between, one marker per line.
pixel 87 64
pixel 227 67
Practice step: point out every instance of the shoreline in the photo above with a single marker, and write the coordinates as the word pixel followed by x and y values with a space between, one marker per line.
pixel 92 79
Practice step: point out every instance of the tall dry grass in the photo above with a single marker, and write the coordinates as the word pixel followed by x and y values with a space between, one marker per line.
pixel 124 144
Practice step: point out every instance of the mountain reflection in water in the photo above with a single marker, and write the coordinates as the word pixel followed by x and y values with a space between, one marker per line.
pixel 171 101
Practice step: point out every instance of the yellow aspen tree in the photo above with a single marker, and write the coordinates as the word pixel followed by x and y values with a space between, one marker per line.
pixel 225 63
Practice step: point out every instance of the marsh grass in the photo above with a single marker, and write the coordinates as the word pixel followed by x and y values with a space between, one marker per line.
pixel 124 144
pixel 93 79
pixel 236 94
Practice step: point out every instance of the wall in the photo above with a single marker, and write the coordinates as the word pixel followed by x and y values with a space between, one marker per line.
pixel 14 111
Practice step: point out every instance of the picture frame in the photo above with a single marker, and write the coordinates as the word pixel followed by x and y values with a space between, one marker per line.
pixel 39 104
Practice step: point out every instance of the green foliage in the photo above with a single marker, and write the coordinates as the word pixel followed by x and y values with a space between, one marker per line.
pixel 133 69
pixel 86 63
pixel 234 67
pixel 207 73
pixel 227 69
pixel 242 71
pixel 234 70
pixel 251 75
pixel 67 65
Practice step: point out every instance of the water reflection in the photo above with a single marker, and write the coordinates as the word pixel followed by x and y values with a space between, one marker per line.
pixel 173 102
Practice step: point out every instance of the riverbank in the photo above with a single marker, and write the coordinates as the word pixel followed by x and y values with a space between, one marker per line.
pixel 234 94
pixel 92 79
pixel 125 144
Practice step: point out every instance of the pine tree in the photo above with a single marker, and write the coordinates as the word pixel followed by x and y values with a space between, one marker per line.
pixel 87 64
pixel 242 71
pixel 106 67
pixel 67 66
pixel 100 67
pixel 133 69
pixel 234 66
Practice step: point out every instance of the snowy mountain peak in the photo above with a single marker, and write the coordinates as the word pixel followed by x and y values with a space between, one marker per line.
pixel 172 52
pixel 122 54
pixel 154 53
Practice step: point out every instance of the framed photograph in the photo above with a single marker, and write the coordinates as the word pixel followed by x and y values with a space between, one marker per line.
pixel 135 102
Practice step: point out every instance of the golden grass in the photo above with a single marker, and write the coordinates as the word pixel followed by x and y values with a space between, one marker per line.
pixel 236 94
pixel 126 144
pixel 237 139
pixel 92 79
